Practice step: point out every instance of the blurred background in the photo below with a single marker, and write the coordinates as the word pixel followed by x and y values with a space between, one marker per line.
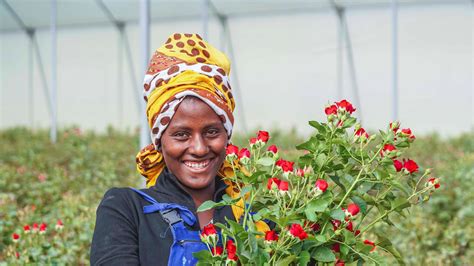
pixel 70 99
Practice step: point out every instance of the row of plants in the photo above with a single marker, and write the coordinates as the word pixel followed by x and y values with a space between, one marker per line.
pixel 58 187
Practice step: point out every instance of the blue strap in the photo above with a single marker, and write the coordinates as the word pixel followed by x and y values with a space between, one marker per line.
pixel 186 215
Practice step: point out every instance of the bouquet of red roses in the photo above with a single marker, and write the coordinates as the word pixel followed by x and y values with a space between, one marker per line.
pixel 324 211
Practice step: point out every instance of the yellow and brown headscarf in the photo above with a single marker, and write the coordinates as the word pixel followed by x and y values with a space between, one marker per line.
pixel 185 65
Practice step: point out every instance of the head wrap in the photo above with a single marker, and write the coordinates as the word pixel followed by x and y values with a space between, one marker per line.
pixel 184 66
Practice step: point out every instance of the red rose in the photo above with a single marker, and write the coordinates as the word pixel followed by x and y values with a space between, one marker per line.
pixel 398 165
pixel 232 151
pixel 285 166
pixel 300 172
pixel 339 262
pixel 298 232
pixel 273 149
pixel 410 166
pixel 321 185
pixel 59 224
pixel 272 181
pixel 357 232
pixel 209 234
pixel 433 181
pixel 335 224
pixel 35 227
pixel 217 251
pixel 361 134
pixel 17 254
pixel 263 136
pixel 26 228
pixel 350 226
pixel 352 210
pixel 336 247
pixel 43 227
pixel 315 227
pixel 244 153
pixel 231 250
pixel 331 110
pixel 347 106
pixel 370 243
pixel 15 237
pixel 407 133
pixel 389 150
pixel 252 141
pixel 283 186
pixel 271 236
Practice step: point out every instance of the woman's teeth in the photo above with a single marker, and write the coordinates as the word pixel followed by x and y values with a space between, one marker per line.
pixel 197 165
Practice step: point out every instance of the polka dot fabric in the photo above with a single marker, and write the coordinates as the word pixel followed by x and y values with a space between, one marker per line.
pixel 184 66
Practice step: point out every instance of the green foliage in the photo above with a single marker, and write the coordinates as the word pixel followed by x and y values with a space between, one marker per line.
pixel 82 166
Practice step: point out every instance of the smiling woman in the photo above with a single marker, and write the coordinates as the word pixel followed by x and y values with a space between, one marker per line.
pixel 189 109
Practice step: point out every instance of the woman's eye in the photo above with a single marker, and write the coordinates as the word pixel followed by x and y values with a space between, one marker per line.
pixel 180 135
pixel 212 132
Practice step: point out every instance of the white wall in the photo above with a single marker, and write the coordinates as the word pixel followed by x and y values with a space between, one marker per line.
pixel 286 67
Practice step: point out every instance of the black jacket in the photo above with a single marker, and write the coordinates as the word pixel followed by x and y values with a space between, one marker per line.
pixel 124 235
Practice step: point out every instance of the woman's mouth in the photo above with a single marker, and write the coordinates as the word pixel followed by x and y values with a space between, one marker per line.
pixel 197 166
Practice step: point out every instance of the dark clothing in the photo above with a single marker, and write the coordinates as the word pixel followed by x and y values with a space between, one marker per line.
pixel 124 235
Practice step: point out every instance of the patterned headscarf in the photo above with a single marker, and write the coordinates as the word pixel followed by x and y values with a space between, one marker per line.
pixel 184 66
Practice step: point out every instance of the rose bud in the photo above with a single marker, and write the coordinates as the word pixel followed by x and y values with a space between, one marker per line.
pixel 357 232
pixel 273 150
pixel 335 224
pixel 26 229
pixel 315 227
pixel 209 234
pixel 42 177
pixel 321 186
pixel 231 250
pixel 59 225
pixel 217 251
pixel 283 187
pixel 300 172
pixel 42 228
pixel 361 135
pixel 285 166
pixel 433 182
pixel 244 156
pixel 331 110
pixel 398 165
pixel 273 183
pixel 389 150
pixel 410 166
pixel 352 210
pixel 394 126
pixel 370 243
pixel 231 152
pixel 271 236
pixel 406 132
pixel 252 142
pixel 297 231
pixel 339 262
pixel 15 237
pixel 263 136
pixel 346 106
pixel 35 228
pixel 17 254
pixel 336 247
pixel 350 226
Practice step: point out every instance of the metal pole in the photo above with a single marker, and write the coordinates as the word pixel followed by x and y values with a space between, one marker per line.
pixel 205 18
pixel 340 54
pixel 42 74
pixel 235 76
pixel 120 77
pixel 54 117
pixel 395 59
pixel 30 78
pixel 145 48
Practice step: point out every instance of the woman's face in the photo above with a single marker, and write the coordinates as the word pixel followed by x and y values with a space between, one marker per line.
pixel 193 145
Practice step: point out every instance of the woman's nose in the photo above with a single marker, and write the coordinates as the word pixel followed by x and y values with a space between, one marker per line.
pixel 199 146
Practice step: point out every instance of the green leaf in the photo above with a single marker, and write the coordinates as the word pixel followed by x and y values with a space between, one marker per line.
pixel 360 202
pixel 387 245
pixel 320 204
pixel 207 205
pixel 402 188
pixel 364 187
pixel 321 129
pixel 321 159
pixel 336 180
pixel 304 258
pixel 323 254
pixel 286 261
pixel 399 204
pixel 203 255
pixel 310 214
pixel 350 122
pixel 245 190
pixel 338 214
pixel 266 161
pixel 309 145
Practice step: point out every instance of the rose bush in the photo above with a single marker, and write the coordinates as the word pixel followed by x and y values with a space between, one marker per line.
pixel 347 183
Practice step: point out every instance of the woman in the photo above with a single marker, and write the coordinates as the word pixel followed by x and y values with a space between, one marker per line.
pixel 189 109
